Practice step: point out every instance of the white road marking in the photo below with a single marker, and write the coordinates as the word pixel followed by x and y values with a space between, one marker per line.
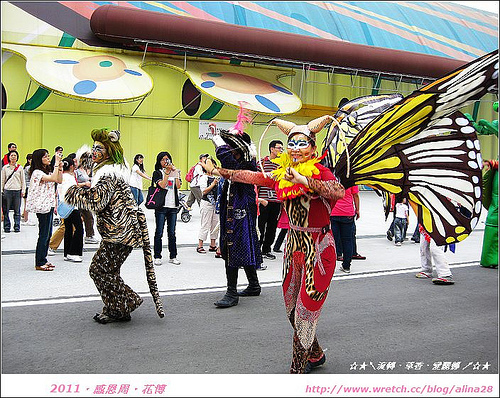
pixel 341 277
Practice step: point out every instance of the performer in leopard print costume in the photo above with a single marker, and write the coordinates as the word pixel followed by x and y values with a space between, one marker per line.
pixel 121 224
pixel 309 191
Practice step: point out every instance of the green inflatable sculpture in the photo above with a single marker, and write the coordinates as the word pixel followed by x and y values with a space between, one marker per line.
pixel 489 254
pixel 482 126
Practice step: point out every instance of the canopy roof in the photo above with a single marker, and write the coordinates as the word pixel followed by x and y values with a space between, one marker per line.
pixel 436 28
pixel 414 39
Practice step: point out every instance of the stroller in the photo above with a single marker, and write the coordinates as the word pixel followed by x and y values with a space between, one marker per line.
pixel 183 208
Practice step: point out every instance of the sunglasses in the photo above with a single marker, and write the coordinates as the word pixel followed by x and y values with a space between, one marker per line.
pixel 299 144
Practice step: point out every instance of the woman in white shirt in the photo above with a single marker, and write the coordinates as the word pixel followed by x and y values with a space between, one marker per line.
pixel 41 200
pixel 401 218
pixel 166 176
pixel 136 176
pixel 73 226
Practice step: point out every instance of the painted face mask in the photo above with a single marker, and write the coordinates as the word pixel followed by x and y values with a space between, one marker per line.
pixel 298 144
pixel 300 148
pixel 99 152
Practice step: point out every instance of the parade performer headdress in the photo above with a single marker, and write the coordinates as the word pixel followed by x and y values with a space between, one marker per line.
pixel 111 140
pixel 236 137
pixel 310 129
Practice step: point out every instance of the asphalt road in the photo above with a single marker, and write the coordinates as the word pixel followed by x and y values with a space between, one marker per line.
pixel 391 321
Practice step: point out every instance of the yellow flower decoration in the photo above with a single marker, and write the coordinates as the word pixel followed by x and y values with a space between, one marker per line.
pixel 307 168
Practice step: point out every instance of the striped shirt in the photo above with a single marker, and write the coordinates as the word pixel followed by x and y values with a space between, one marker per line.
pixel 265 192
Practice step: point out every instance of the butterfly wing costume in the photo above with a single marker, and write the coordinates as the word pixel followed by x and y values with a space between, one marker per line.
pixel 424 148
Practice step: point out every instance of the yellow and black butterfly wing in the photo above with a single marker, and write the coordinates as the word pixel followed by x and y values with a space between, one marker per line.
pixel 439 172
pixel 444 180
pixel 352 117
pixel 389 152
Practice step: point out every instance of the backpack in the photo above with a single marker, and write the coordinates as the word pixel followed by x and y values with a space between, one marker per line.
pixel 190 173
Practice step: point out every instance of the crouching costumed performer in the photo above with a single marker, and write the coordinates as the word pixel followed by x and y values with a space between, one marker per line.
pixel 308 191
pixel 121 224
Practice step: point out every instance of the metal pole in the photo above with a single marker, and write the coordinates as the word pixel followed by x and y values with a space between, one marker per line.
pixel 184 107
pixel 137 107
pixel 144 54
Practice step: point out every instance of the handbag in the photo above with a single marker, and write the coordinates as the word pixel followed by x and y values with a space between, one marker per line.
pixel 41 194
pixel 155 198
pixel 64 209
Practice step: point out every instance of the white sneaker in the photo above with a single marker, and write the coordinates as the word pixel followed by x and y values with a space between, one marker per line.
pixel 91 240
pixel 74 258
pixel 51 252
pixel 174 261
pixel 157 261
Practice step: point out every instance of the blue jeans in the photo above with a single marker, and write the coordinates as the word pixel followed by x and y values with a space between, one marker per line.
pixel 416 235
pixel 138 196
pixel 12 201
pixel 400 226
pixel 338 246
pixel 343 232
pixel 170 215
pixel 44 234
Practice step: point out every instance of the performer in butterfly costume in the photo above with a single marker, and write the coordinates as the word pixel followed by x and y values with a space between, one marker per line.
pixel 489 253
pixel 309 192
pixel 419 146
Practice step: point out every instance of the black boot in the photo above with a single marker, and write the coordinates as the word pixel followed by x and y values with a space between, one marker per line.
pixel 230 299
pixel 253 288
pixel 316 356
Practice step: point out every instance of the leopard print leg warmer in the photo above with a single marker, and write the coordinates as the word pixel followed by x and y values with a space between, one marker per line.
pixel 118 298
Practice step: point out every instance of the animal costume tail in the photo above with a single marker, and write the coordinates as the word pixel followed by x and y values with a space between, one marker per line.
pixel 148 263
